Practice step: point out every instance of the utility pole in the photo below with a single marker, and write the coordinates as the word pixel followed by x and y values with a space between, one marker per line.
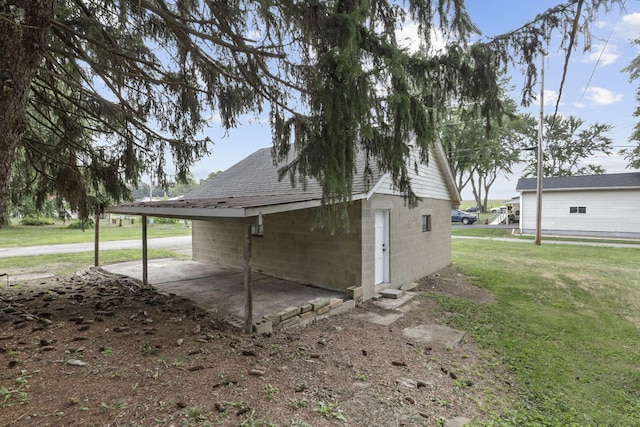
pixel 540 165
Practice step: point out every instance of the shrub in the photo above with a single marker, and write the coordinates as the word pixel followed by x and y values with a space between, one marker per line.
pixel 163 220
pixel 30 220
pixel 80 225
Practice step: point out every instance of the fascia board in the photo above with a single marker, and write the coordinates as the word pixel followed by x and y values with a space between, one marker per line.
pixel 176 212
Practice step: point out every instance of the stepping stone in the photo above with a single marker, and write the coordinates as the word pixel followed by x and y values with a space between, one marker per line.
pixel 377 319
pixel 409 286
pixel 434 334
pixel 392 293
pixel 457 422
pixel 393 304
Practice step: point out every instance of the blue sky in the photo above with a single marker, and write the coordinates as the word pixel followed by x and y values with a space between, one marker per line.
pixel 596 89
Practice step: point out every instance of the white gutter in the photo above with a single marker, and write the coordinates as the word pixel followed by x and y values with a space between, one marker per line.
pixel 580 189
pixel 178 212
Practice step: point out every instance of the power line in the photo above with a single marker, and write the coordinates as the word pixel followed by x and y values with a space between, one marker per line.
pixel 584 91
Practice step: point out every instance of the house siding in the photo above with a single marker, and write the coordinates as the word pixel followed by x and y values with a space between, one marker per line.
pixel 428 182
pixel 288 249
pixel 413 254
pixel 603 217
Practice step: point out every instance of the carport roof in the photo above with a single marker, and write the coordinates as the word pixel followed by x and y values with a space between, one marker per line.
pixel 230 207
pixel 249 188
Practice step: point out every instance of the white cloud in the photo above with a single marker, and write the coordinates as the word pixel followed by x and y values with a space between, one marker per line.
pixel 629 25
pixel 409 39
pixel 603 54
pixel 601 24
pixel 599 96
pixel 632 19
pixel 550 98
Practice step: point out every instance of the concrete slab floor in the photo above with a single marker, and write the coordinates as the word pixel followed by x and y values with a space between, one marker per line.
pixel 221 288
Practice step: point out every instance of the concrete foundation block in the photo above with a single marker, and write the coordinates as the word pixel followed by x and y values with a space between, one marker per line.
pixel 335 302
pixel 355 292
pixel 323 310
pixel 288 313
pixel 290 322
pixel 345 307
pixel 263 326
pixel 306 308
pixel 318 303
pixel 308 315
pixel 274 318
pixel 235 321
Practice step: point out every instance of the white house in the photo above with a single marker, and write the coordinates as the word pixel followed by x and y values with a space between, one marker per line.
pixel 604 205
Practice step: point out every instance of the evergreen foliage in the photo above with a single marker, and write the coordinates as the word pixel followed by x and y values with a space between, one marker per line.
pixel 95 93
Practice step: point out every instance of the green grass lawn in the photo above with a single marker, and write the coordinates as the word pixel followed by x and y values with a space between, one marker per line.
pixel 60 264
pixel 20 235
pixel 471 231
pixel 566 322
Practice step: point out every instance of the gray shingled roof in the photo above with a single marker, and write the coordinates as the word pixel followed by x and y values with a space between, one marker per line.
pixel 256 175
pixel 251 183
pixel 225 202
pixel 604 181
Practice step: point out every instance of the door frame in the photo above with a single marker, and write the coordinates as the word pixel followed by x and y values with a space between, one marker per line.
pixel 381 247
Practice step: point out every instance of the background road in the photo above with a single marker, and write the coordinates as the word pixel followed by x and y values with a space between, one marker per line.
pixel 180 243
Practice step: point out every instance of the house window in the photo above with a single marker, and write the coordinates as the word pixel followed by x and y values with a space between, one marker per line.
pixel 577 209
pixel 426 223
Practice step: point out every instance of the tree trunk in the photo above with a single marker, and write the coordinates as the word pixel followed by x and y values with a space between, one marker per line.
pixel 23 26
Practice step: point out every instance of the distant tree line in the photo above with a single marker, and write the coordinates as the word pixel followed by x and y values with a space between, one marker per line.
pixel 479 154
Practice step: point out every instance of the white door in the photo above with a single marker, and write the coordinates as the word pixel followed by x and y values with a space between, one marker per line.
pixel 381 247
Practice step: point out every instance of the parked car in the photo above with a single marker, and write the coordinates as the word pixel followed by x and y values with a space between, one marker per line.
pixel 472 209
pixel 499 209
pixel 463 217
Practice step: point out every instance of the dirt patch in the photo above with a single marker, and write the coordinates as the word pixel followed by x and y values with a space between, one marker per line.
pixel 90 350
pixel 450 281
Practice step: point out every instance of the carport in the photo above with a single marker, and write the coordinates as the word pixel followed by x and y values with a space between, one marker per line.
pixel 245 210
